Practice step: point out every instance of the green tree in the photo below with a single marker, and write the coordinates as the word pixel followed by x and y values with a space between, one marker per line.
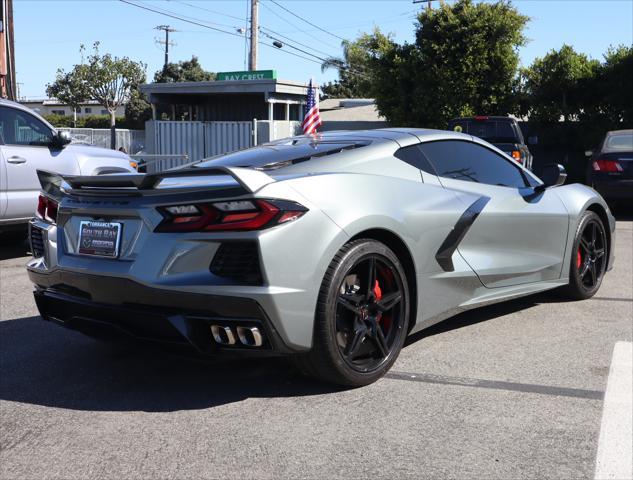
pixel 554 85
pixel 608 95
pixel 69 89
pixel 354 65
pixel 104 78
pixel 137 110
pixel 464 61
pixel 183 71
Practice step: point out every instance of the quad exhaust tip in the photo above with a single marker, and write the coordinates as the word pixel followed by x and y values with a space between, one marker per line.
pixel 223 335
pixel 248 336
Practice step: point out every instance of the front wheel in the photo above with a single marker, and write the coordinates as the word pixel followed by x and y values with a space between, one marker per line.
pixel 588 257
pixel 362 316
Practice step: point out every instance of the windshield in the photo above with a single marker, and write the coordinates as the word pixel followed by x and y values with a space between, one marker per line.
pixel 489 130
pixel 281 154
pixel 619 142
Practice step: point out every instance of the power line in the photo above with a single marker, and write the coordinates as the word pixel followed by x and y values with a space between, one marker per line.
pixel 180 18
pixel 209 10
pixel 294 25
pixel 295 41
pixel 292 46
pixel 306 21
pixel 212 28
pixel 177 17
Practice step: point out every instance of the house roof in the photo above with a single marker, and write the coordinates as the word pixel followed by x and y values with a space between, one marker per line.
pixel 266 87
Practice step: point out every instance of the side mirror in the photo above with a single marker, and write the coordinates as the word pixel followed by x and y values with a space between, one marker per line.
pixel 61 139
pixel 588 153
pixel 553 175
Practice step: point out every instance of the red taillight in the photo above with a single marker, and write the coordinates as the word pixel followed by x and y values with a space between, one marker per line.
pixel 481 118
pixel 47 209
pixel 611 166
pixel 239 215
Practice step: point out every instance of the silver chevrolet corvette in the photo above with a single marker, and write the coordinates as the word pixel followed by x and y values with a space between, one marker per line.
pixel 330 249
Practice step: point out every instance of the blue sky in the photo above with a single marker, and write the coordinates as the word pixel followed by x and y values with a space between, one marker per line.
pixel 48 32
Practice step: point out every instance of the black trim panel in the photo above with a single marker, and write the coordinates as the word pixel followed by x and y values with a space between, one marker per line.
pixel 456 235
pixel 84 301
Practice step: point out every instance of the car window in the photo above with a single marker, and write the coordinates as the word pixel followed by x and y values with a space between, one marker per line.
pixel 285 153
pixel 413 156
pixel 619 142
pixel 490 130
pixel 471 162
pixel 21 128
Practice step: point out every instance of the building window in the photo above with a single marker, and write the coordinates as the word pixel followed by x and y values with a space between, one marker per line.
pixel 88 110
pixel 58 112
pixel 104 112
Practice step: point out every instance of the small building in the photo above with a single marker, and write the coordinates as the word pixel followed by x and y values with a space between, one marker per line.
pixel 235 98
pixel 51 106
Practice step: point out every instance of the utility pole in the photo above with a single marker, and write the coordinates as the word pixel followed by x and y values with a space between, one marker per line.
pixel 428 3
pixel 252 61
pixel 166 42
pixel 7 52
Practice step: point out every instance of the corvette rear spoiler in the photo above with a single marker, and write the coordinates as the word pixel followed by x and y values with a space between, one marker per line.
pixel 53 183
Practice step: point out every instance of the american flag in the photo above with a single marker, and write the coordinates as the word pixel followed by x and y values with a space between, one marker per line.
pixel 312 118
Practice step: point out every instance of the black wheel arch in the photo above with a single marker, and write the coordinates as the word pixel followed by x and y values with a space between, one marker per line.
pixel 400 248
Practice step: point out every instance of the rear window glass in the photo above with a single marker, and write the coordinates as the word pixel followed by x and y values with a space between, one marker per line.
pixel 489 130
pixel 282 154
pixel 620 142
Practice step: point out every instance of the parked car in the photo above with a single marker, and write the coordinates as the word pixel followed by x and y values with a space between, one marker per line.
pixel 29 143
pixel 503 132
pixel 330 250
pixel 610 167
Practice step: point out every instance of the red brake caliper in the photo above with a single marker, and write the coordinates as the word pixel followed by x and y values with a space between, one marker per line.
pixel 377 295
pixel 377 291
pixel 578 259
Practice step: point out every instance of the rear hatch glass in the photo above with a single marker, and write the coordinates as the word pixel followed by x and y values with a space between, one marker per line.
pixel 277 155
pixel 620 142
pixel 492 131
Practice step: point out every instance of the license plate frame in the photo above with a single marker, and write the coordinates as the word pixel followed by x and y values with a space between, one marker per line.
pixel 110 238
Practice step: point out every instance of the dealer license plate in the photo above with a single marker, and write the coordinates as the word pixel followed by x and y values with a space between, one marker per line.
pixel 99 238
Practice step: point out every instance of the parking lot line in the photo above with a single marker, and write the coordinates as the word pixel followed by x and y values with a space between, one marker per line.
pixel 497 385
pixel 614 459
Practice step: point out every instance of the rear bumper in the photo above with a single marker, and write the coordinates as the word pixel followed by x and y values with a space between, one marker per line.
pixel 98 305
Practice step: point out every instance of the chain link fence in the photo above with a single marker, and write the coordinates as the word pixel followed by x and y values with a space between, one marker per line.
pixel 132 140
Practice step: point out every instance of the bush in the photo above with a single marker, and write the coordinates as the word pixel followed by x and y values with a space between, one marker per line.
pixel 91 121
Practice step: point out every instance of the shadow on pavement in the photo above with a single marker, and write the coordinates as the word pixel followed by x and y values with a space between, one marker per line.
pixel 13 249
pixel 45 364
pixel 481 314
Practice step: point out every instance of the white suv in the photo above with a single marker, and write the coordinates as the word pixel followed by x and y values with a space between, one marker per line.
pixel 28 143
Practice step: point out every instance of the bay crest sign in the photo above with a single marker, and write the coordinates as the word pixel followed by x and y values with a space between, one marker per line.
pixel 247 75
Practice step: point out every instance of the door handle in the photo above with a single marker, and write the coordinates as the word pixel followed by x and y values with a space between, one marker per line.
pixel 16 159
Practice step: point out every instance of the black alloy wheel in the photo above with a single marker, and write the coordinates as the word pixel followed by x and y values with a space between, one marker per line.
pixel 370 313
pixel 589 257
pixel 362 316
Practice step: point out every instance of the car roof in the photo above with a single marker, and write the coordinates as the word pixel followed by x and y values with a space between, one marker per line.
pixel 403 136
pixel 620 132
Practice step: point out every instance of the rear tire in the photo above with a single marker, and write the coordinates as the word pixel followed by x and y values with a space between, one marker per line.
pixel 362 316
pixel 588 259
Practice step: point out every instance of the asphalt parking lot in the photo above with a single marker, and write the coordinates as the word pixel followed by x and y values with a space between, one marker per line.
pixel 513 390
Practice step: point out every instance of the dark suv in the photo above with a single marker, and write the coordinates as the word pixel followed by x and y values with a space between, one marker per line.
pixel 503 132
